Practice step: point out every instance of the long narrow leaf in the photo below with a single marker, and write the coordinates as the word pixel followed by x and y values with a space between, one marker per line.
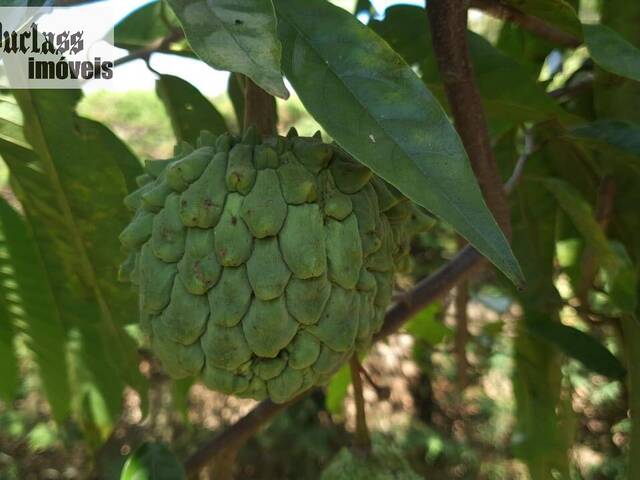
pixel 71 188
pixel 37 315
pixel 580 346
pixel 371 102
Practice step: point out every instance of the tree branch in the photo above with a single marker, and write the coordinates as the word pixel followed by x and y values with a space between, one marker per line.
pixel 145 53
pixel 237 434
pixel 532 24
pixel 448 20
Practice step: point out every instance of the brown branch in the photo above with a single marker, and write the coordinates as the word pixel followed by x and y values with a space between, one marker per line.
pixel 237 434
pixel 448 20
pixel 259 109
pixel 532 24
pixel 158 46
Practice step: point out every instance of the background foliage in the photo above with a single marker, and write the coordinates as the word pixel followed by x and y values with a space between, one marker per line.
pixel 493 381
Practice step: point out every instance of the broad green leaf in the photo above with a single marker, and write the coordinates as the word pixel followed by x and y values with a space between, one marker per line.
pixel 337 390
pixel 71 187
pixel 612 52
pixel 235 35
pixel 373 104
pixel 623 136
pixel 557 12
pixel 33 310
pixel 580 346
pixel 152 461
pixel 426 326
pixel 190 111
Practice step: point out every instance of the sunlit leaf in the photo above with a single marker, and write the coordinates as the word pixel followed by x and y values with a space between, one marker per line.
pixel 71 187
pixel 337 390
pixel 428 327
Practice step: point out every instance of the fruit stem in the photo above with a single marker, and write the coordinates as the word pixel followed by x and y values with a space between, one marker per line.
pixel 362 440
pixel 259 109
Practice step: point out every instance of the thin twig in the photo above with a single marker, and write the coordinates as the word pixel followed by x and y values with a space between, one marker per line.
pixel 158 46
pixel 522 160
pixel 361 439
pixel 532 24
pixel 461 334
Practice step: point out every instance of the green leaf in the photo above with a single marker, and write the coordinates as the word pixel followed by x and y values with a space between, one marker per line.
pixel 337 390
pixel 33 309
pixel 71 186
pixel 426 326
pixel 612 52
pixel 372 103
pixel 621 135
pixel 190 111
pixel 152 461
pixel 580 346
pixel 557 12
pixel 235 35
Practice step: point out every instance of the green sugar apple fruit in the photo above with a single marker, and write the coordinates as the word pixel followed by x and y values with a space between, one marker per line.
pixel 262 265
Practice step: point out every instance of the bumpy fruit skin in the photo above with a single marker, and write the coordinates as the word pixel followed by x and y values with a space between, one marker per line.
pixel 385 462
pixel 261 265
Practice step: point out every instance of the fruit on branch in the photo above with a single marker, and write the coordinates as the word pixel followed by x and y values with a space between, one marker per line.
pixel 262 264
pixel 384 462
